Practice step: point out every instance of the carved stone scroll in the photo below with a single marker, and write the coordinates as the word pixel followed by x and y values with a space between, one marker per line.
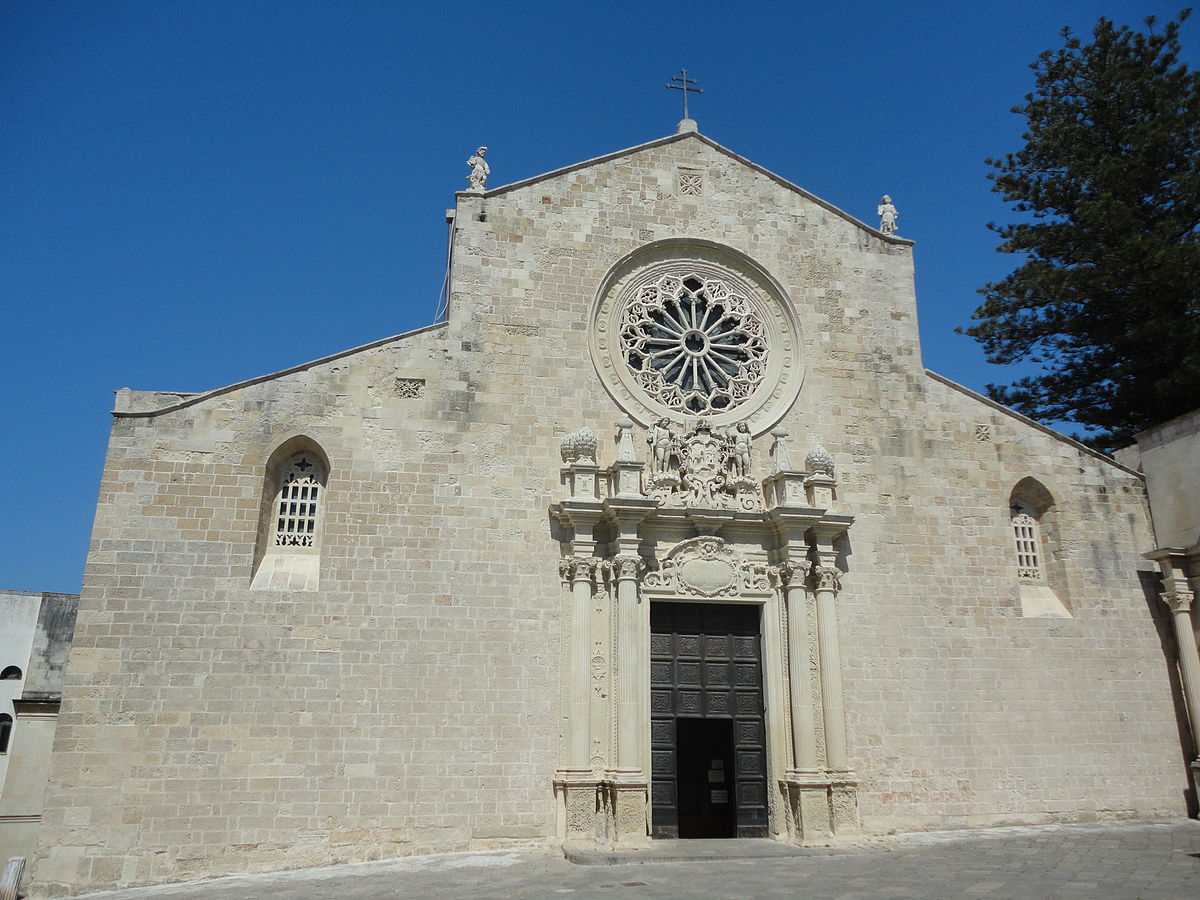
pixel 708 567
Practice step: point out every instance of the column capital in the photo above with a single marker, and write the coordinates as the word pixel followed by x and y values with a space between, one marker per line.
pixel 827 578
pixel 577 568
pixel 628 566
pixel 794 573
pixel 1178 601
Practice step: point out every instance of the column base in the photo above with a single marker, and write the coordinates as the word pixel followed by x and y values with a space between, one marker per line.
pixel 578 793
pixel 628 825
pixel 821 806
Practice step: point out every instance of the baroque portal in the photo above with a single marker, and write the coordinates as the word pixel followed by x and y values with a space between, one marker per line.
pixel 688 347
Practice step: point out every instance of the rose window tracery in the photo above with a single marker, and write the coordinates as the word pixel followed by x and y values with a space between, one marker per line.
pixel 693 344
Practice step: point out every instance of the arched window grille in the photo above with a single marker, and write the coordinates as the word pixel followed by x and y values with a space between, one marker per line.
pixel 292 518
pixel 298 502
pixel 11 673
pixel 1027 540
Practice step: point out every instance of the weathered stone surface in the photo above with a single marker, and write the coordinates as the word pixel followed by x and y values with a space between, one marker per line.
pixel 418 701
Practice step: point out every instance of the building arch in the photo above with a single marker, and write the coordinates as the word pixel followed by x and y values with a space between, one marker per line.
pixel 290 530
pixel 1036 528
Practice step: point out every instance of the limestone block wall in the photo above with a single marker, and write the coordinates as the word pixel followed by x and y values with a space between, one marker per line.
pixel 963 712
pixel 209 727
pixel 411 704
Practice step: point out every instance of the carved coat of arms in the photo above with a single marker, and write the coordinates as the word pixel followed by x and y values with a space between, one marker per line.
pixel 701 468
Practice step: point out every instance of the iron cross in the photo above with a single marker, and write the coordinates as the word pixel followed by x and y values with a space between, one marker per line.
pixel 683 85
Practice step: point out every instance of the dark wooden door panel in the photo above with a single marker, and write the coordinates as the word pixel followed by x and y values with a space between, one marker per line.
pixel 708 780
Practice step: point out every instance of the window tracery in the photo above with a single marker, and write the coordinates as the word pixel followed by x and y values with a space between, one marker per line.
pixel 291 520
pixel 693 344
pixel 1026 538
pixel 297 504
pixel 1040 571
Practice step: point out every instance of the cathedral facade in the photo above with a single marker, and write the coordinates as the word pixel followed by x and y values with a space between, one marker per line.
pixel 665 532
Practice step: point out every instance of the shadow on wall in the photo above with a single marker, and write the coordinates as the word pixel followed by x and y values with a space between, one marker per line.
pixel 1151 588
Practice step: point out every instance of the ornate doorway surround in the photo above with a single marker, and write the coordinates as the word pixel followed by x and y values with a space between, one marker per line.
pixel 698 528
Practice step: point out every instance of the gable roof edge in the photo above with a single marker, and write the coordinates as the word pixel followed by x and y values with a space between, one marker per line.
pixel 672 138
pixel 192 399
pixel 1058 436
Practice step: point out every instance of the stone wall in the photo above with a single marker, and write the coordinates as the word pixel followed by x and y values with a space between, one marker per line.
pixel 1169 455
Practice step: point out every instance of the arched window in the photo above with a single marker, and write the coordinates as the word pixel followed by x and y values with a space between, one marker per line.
pixel 287 556
pixel 298 503
pixel 1040 573
pixel 1027 537
pixel 6 723
pixel 11 673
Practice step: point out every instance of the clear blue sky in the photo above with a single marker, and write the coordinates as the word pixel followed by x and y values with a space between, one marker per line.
pixel 193 193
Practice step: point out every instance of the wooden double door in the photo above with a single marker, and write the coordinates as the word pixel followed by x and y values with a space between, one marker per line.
pixel 707 729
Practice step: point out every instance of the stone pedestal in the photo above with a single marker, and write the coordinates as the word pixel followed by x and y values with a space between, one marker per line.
pixel 843 802
pixel 785 489
pixel 582 480
pixel 629 799
pixel 821 807
pixel 819 489
pixel 625 479
pixel 579 806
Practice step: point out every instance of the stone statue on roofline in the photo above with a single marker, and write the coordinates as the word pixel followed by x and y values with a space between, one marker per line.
pixel 888 214
pixel 480 170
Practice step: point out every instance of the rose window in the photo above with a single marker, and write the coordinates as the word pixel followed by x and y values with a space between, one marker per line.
pixel 693 344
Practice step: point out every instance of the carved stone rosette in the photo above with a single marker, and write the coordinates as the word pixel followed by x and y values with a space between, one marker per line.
pixel 682 328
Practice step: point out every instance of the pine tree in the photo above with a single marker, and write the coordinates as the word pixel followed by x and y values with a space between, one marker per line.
pixel 1108 299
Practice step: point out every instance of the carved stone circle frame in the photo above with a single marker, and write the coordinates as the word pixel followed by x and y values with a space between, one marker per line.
pixel 687 327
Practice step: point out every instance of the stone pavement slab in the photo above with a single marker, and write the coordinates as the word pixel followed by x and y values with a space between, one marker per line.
pixel 1159 861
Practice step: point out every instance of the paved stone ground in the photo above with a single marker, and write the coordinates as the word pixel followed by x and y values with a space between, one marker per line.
pixel 1094 861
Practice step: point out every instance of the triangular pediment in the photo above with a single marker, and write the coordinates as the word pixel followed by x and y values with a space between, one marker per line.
pixel 609 158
